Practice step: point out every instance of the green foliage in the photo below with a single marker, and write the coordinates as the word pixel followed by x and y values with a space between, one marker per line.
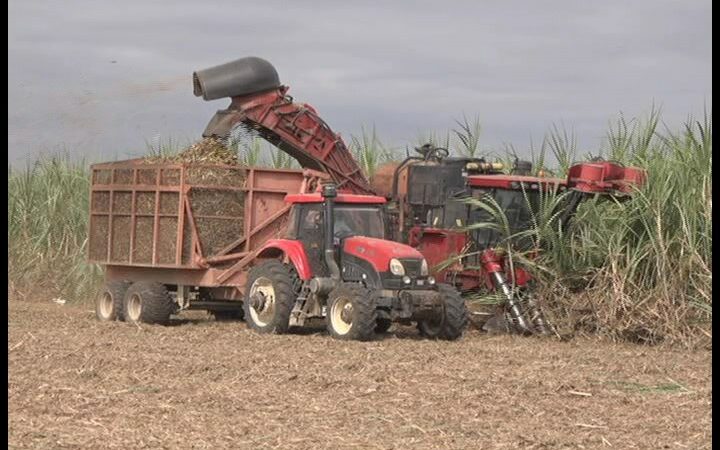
pixel 160 148
pixel 47 228
pixel 280 160
pixel 638 269
pixel 248 148
pixel 644 263
pixel 468 137
pixel 369 152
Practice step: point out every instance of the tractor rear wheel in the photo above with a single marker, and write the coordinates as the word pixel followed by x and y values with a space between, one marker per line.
pixel 109 302
pixel 269 297
pixel 453 320
pixel 351 313
pixel 148 302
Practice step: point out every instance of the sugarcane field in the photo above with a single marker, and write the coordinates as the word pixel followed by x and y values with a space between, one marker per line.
pixel 284 245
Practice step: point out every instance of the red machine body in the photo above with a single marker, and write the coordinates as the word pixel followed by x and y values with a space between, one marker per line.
pixel 296 129
pixel 425 192
pixel 605 176
pixel 378 252
pixel 288 249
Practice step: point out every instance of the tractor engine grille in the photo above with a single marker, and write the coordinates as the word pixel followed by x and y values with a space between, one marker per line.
pixel 412 267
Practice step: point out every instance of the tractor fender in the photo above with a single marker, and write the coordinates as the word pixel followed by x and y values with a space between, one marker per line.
pixel 288 250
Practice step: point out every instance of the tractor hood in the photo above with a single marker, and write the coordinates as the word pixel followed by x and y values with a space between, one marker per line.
pixel 378 252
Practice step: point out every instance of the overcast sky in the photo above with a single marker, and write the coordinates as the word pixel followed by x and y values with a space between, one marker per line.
pixel 100 78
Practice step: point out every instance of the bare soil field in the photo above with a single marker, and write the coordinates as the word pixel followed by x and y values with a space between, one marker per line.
pixel 74 382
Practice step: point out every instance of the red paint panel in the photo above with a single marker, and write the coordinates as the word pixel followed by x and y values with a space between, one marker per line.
pixel 506 181
pixel 293 250
pixel 378 252
pixel 316 197
pixel 605 177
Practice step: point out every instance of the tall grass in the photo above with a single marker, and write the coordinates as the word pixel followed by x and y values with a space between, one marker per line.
pixel 47 228
pixel 638 269
pixel 467 135
pixel 369 151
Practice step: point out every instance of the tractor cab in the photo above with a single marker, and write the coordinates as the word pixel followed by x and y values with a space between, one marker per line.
pixel 336 264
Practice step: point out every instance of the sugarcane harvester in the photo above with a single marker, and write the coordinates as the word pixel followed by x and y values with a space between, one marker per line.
pixel 425 192
pixel 429 193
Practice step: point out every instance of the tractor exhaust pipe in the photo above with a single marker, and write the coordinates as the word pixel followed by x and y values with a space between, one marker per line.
pixel 329 192
pixel 243 76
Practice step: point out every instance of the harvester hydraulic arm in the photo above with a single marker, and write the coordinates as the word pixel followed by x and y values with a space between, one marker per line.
pixel 295 129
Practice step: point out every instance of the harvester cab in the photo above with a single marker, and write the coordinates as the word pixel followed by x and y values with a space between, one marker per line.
pixel 336 263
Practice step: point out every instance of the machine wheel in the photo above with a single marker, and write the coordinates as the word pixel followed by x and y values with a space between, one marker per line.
pixel 351 313
pixel 148 302
pixel 453 321
pixel 225 315
pixel 269 298
pixel 382 325
pixel 109 302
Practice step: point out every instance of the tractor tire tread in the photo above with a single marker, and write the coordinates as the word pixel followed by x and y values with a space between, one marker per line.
pixel 456 314
pixel 365 319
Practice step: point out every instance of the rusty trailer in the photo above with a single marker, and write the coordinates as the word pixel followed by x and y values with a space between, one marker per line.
pixel 188 225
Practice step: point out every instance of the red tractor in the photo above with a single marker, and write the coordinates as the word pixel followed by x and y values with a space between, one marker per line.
pixel 339 265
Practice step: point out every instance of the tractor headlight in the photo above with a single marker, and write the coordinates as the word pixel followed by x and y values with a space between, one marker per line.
pixel 396 267
pixel 424 268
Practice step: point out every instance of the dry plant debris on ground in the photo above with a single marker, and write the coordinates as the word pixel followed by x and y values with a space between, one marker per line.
pixel 74 382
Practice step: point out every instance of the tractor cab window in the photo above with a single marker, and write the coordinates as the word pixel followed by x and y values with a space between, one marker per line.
pixel 307 221
pixel 359 220
pixel 308 226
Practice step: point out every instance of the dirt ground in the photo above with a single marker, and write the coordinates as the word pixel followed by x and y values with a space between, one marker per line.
pixel 74 382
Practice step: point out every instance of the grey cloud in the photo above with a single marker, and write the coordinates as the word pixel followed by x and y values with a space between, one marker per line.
pixel 404 66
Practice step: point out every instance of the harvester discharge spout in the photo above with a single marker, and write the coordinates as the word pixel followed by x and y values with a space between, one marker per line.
pixel 260 103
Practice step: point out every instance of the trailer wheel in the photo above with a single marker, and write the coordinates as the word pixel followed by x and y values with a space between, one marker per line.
pixel 351 313
pixel 453 321
pixel 148 302
pixel 109 302
pixel 269 297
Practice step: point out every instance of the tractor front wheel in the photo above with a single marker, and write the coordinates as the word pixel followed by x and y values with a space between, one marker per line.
pixel 351 313
pixel 451 323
